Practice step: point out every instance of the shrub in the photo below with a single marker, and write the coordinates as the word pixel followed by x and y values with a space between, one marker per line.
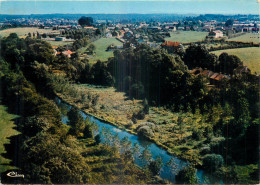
pixel 212 162
pixel 145 131
pixel 187 176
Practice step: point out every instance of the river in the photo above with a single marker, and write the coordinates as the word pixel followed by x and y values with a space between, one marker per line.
pixel 166 172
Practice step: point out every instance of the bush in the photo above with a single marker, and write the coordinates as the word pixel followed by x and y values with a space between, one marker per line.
pixel 187 176
pixel 212 162
pixel 145 131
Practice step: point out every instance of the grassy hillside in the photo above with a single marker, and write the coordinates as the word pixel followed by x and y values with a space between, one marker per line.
pixel 249 56
pixel 249 37
pixel 6 130
pixel 101 46
pixel 25 31
pixel 187 36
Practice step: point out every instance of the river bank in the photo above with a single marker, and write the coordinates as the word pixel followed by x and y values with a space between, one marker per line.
pixel 171 131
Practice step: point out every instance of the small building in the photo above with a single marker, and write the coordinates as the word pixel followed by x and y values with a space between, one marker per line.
pixel 67 53
pixel 216 34
pixel 171 46
pixel 109 35
pixel 242 69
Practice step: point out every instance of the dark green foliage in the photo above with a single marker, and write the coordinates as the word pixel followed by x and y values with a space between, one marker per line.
pixel 97 139
pixel 229 22
pixel 151 74
pixel 198 56
pixel 156 165
pixel 187 176
pixel 227 63
pixel 77 123
pixel 34 124
pixel 47 160
pixel 146 106
pixel 85 21
pixel 88 131
pixel 212 162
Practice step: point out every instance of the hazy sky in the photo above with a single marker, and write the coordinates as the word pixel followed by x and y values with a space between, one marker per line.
pixel 129 6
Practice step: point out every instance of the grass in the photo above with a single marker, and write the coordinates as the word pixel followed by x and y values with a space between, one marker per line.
pixel 248 37
pixel 59 43
pixel 24 31
pixel 6 130
pixel 249 56
pixel 101 46
pixel 187 36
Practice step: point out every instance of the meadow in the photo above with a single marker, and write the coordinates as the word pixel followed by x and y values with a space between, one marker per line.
pixel 24 31
pixel 248 37
pixel 59 43
pixel 249 56
pixel 187 36
pixel 100 51
pixel 6 130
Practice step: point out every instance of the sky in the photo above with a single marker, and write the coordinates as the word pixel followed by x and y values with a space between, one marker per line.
pixel 19 7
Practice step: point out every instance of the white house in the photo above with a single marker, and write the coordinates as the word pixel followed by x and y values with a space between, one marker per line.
pixel 216 34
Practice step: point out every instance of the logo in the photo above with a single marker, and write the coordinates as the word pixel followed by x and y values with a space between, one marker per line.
pixel 15 174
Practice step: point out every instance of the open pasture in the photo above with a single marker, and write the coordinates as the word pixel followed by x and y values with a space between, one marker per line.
pixel 248 37
pixel 187 36
pixel 101 46
pixel 24 31
pixel 249 56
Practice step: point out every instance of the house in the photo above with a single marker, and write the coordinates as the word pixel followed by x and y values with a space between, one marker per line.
pixel 115 34
pixel 171 46
pixel 242 69
pixel 109 35
pixel 213 77
pixel 67 53
pixel 216 34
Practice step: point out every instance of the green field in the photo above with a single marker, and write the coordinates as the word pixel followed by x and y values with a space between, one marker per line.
pixel 59 43
pixel 101 46
pixel 249 56
pixel 187 36
pixel 25 31
pixel 6 130
pixel 248 37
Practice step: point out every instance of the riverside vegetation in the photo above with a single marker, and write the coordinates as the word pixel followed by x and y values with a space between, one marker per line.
pixel 157 98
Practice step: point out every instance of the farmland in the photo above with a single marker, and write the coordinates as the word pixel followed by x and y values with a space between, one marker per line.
pixel 6 130
pixel 249 56
pixel 101 46
pixel 187 36
pixel 249 37
pixel 25 31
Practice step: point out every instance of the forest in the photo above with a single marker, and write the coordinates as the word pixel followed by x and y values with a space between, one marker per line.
pixel 229 110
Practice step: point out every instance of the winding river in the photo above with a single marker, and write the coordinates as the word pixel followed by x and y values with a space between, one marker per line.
pixel 166 172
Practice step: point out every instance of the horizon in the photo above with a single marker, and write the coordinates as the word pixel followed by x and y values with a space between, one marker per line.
pixel 181 7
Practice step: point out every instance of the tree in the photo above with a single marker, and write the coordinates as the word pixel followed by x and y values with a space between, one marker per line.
pixel 76 122
pixel 229 22
pixel 85 21
pixel 91 48
pixel 212 162
pixel 146 156
pixel 187 175
pixel 156 165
